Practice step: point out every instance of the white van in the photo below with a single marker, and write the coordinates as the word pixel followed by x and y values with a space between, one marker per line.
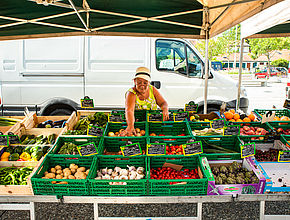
pixel 53 74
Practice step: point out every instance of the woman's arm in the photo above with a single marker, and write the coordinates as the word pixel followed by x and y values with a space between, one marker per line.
pixel 161 102
pixel 129 112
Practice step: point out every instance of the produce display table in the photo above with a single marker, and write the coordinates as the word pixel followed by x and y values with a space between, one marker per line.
pixel 16 203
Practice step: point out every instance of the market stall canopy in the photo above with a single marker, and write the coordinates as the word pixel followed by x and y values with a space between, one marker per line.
pixel 187 19
pixel 272 22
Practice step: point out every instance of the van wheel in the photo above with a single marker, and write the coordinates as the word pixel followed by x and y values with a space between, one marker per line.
pixel 61 112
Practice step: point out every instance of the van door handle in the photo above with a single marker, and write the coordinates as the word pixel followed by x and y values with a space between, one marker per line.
pixel 156 84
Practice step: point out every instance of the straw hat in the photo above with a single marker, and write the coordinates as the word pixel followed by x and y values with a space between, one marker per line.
pixel 143 73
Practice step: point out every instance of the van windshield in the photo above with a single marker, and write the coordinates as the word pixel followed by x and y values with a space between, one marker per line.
pixel 177 57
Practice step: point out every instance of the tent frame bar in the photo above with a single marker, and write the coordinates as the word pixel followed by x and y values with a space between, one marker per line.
pixel 78 14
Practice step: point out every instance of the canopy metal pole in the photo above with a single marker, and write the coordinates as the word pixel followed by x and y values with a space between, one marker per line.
pixel 206 72
pixel 240 73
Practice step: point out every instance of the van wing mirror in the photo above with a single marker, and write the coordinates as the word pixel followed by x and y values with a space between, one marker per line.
pixel 210 76
pixel 156 84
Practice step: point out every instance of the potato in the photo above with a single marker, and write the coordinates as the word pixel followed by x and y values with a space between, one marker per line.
pixel 117 133
pixel 53 182
pixel 87 171
pixel 71 177
pixel 138 130
pixel 58 167
pixel 64 170
pixel 142 132
pixel 44 177
pixel 80 175
pixel 59 176
pixel 65 177
pixel 67 173
pixel 73 171
pixel 73 166
pixel 45 173
pixel 111 134
pixel 53 170
pixel 50 175
pixel 62 182
pixel 138 135
pixel 58 171
pixel 81 169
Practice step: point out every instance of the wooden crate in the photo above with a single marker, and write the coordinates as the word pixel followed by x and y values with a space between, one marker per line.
pixel 16 190
pixel 13 128
pixel 75 117
pixel 33 120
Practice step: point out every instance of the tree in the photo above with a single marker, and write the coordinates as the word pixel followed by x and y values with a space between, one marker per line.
pixel 268 46
pixel 214 48
pixel 280 63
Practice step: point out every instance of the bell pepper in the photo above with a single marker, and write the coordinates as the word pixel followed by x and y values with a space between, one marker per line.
pixel 4 159
pixel 5 155
pixel 25 156
pixel 20 160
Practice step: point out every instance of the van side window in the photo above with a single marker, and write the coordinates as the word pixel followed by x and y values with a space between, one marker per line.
pixel 194 64
pixel 170 56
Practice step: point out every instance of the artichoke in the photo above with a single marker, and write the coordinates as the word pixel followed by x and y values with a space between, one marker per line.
pixel 247 180
pixel 248 174
pixel 215 170
pixel 218 181
pixel 239 180
pixel 254 179
pixel 231 175
pixel 235 165
pixel 223 169
pixel 241 175
pixel 231 180
pixel 231 169
pixel 223 176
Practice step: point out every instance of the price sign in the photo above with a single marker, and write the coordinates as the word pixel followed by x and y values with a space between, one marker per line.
pixel 216 124
pixel 87 149
pixel 156 149
pixel 86 102
pixel 232 130
pixel 284 156
pixel 13 139
pixel 155 117
pixel 180 116
pixel 116 118
pixel 192 148
pixel 248 150
pixel 191 108
pixel 131 150
pixel 95 131
pixel 4 140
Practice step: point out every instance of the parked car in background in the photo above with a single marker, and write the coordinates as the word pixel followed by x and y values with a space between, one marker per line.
pixel 264 73
pixel 282 70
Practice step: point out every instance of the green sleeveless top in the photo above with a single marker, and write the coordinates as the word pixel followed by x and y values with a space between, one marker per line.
pixel 147 104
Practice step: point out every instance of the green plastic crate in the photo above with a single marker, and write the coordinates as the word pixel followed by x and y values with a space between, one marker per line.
pixel 223 157
pixel 140 115
pixel 73 187
pixel 266 126
pixel 278 112
pixel 199 125
pixel 115 127
pixel 170 129
pixel 175 141
pixel 231 143
pixel 113 144
pixel 171 112
pixel 75 140
pixel 104 188
pixel 193 187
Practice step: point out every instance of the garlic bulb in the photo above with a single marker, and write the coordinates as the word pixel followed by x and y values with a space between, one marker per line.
pixel 133 175
pixel 110 171
pixel 123 177
pixel 106 177
pixel 98 178
pixel 116 177
pixel 114 173
pixel 104 171
pixel 99 174
pixel 117 169
pixel 131 168
pixel 139 176
pixel 124 172
pixel 140 170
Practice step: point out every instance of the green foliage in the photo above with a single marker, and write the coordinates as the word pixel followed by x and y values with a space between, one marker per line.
pixel 268 46
pixel 280 63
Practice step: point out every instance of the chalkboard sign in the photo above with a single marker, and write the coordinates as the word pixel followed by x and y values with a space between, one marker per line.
pixel 116 118
pixel 284 156
pixel 86 102
pixel 191 108
pixel 95 131
pixel 216 124
pixel 248 150
pixel 4 140
pixel 87 149
pixel 156 149
pixel 131 150
pixel 192 148
pixel 180 116
pixel 13 139
pixel 287 104
pixel 155 117
pixel 232 130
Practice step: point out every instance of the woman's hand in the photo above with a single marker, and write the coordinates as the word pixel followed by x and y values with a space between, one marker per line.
pixel 165 115
pixel 129 131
